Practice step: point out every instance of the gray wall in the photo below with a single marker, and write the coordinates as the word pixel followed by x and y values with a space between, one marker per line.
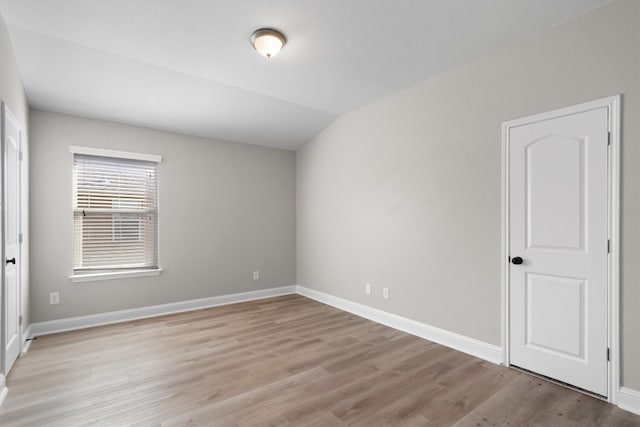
pixel 405 193
pixel 226 209
pixel 12 93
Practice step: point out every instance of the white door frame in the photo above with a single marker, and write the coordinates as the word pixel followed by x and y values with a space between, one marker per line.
pixel 5 111
pixel 612 103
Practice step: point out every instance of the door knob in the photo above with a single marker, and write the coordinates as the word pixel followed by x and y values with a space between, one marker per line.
pixel 517 260
pixel 11 261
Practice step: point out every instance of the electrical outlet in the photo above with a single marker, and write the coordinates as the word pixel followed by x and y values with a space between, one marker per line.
pixel 54 298
pixel 256 275
pixel 367 289
pixel 385 293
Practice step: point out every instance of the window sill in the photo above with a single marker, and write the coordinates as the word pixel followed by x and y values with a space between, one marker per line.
pixel 92 277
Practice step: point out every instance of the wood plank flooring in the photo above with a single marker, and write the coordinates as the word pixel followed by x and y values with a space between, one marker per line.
pixel 286 361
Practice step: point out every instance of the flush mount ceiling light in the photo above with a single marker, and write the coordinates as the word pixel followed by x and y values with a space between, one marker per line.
pixel 268 42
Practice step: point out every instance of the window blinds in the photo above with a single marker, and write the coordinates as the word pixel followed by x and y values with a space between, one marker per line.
pixel 115 213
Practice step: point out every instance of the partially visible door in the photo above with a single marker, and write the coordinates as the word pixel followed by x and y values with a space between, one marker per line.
pixel 558 206
pixel 11 232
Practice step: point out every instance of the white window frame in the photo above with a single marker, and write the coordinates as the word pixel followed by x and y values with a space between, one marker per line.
pixel 77 277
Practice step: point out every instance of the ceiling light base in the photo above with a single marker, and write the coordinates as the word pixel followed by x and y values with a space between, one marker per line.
pixel 268 42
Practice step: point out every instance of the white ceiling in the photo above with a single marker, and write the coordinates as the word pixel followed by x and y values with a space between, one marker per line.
pixel 187 65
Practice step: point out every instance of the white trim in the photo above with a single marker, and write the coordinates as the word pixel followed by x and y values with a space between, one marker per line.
pixel 81 322
pixel 90 151
pixel 458 342
pixel 8 114
pixel 629 400
pixel 612 103
pixel 614 256
pixel 26 342
pixel 472 346
pixel 563 112
pixel 92 277
pixel 504 246
pixel 3 388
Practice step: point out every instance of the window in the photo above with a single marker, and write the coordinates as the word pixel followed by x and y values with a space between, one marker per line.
pixel 126 226
pixel 115 212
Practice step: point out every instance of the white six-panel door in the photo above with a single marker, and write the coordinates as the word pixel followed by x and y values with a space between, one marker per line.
pixel 558 229
pixel 11 229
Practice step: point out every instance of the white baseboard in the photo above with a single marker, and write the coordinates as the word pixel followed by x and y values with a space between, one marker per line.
pixel 472 346
pixel 629 400
pixel 81 322
pixel 459 342
pixel 3 388
pixel 26 342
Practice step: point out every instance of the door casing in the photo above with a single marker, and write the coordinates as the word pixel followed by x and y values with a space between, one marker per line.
pixel 6 112
pixel 612 104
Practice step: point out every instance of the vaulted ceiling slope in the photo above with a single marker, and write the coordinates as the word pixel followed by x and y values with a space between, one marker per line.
pixel 188 66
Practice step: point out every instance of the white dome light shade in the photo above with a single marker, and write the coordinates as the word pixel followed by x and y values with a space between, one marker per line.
pixel 267 42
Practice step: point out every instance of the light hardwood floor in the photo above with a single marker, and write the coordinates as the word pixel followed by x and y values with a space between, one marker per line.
pixel 286 361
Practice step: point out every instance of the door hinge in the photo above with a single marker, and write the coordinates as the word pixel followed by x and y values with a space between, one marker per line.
pixel 20 320
pixel 20 155
pixel 20 238
pixel 608 246
pixel 608 138
pixel 608 354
